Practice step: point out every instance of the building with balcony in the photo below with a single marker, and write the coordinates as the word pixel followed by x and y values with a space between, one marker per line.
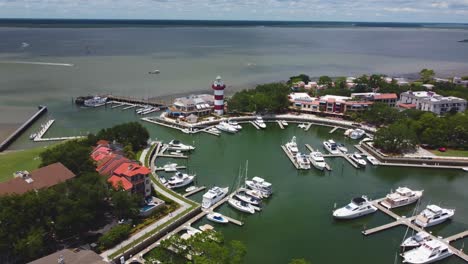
pixel 432 102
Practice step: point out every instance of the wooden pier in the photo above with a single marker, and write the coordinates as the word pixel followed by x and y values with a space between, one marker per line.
pixel 41 133
pixel 130 100
pixel 253 124
pixel 177 168
pixel 333 130
pixel 280 124
pixel 308 127
pixel 456 237
pixel 291 157
pixel 118 105
pixel 197 190
pixel 129 107
pixel 173 156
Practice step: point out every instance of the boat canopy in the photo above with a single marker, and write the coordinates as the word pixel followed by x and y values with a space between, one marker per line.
pixel 358 200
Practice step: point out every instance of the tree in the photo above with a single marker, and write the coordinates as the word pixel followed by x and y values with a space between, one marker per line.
pixel 398 138
pixel 299 261
pixel 128 150
pixel 325 80
pixel 426 75
pixel 132 133
pixel 272 97
pixel 72 154
pixel 299 78
pixel 125 205
pixel 381 114
pixel 117 234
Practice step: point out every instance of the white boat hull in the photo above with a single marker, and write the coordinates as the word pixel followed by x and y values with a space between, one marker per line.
pixel 408 259
pixel 391 206
pixel 246 209
pixel 354 215
pixel 220 220
pixel 432 222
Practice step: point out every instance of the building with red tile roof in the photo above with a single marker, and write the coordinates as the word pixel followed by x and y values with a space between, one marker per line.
pixel 118 182
pixel 386 98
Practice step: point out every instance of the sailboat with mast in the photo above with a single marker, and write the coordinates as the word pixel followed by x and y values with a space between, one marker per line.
pixel 240 204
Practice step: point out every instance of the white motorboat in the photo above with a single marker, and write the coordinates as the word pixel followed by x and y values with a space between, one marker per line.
pixel 401 197
pixel 170 167
pixel 224 126
pixel 241 206
pixel 341 147
pixel 162 180
pixel 234 124
pixel 243 196
pixel 214 195
pixel 260 123
pixel 303 161
pixel 433 215
pixel 331 146
pixel 180 180
pixel 218 218
pixel 260 185
pixel 154 72
pixel 177 145
pixel 284 123
pixel 357 133
pixel 317 160
pixel 356 157
pixel 302 126
pixel 95 101
pixel 348 132
pixel 177 153
pixel 372 160
pixel 253 193
pixel 465 169
pixel 32 136
pixel 416 240
pixel 191 188
pixel 358 207
pixel 428 252
pixel 291 146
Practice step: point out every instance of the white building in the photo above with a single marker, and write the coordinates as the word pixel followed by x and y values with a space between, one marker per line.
pixel 430 101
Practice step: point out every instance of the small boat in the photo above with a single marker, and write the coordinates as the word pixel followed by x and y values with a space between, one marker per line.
pixel 357 133
pixel 341 147
pixel 95 101
pixel 260 123
pixel 331 146
pixel 291 146
pixel 317 160
pixel 356 157
pixel 253 193
pixel 241 206
pixel 180 180
pixel 303 161
pixel 284 123
pixel 465 169
pixel 234 124
pixel 302 126
pixel 372 160
pixel 224 126
pixel 433 215
pixel 243 196
pixel 218 218
pixel 348 132
pixel 416 240
pixel 154 72
pixel 428 252
pixel 163 180
pixel 359 206
pixel 170 167
pixel 191 189
pixel 259 184
pixel 214 195
pixel 177 145
pixel 32 136
pixel 401 197
pixel 176 153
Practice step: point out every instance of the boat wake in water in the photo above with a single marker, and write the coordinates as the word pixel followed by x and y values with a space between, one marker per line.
pixel 38 63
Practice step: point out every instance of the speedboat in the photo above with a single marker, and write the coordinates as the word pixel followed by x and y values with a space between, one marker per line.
pixel 358 207
pixel 234 124
pixel 218 218
pixel 154 72
pixel 243 196
pixel 372 160
pixel 170 167
pixel 180 180
pixel 303 161
pixel 428 252
pixel 214 195
pixel 302 126
pixel 32 136
pixel 284 123
pixel 341 147
pixel 357 133
pixel 401 197
pixel 260 185
pixel 177 145
pixel 331 146
pixel 291 146
pixel 416 240
pixel 241 206
pixel 190 189
pixel 356 157
pixel 433 215
pixel 224 126
pixel 317 160
pixel 95 101
pixel 259 122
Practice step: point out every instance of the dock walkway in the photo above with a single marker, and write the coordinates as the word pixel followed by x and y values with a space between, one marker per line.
pixel 197 190
pixel 290 156
pixel 280 124
pixel 43 131
pixel 177 168
pixel 253 124
pixel 333 130
pixel 308 127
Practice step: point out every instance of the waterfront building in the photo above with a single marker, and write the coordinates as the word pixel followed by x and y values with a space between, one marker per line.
pixel 401 81
pixel 328 104
pixel 69 256
pixel 218 88
pixel 41 178
pixel 199 105
pixel 430 101
pixel 460 81
pixel 389 99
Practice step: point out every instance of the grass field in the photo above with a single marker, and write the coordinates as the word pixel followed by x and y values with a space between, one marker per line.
pixel 18 160
pixel 451 153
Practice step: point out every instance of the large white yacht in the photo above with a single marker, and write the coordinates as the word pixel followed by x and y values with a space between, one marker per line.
pixel 241 205
pixel 180 180
pixel 331 146
pixel 428 252
pixel 360 161
pixel 358 207
pixel 224 126
pixel 214 195
pixel 317 160
pixel 177 145
pixel 433 215
pixel 303 161
pixel 234 124
pixel 259 122
pixel 260 185
pixel 95 101
pixel 291 146
pixel 401 197
pixel 416 240
pixel 357 133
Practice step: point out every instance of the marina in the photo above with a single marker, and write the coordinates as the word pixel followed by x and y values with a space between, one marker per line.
pixel 327 166
pixel 197 190
pixel 39 135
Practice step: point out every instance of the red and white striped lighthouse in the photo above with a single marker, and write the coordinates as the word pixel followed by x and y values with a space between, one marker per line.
pixel 218 87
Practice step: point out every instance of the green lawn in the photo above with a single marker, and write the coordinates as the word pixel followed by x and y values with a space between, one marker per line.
pixel 451 153
pixel 18 160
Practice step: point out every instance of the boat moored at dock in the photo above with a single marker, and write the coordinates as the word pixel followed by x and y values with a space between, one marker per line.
pixel 214 195
pixel 244 196
pixel 331 146
pixel 217 218
pixel 416 240
pixel 177 145
pixel 291 146
pixel 180 180
pixel 372 160
pixel 317 160
pixel 95 101
pixel 226 127
pixel 356 157
pixel 303 161
pixel 259 122
pixel 359 206
pixel 428 252
pixel 170 167
pixel 234 124
pixel 284 123
pixel 341 147
pixel 241 205
pixel 259 184
pixel 357 133
pixel 401 197
pixel 433 215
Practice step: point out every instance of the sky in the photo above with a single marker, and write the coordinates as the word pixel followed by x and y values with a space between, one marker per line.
pixel 455 11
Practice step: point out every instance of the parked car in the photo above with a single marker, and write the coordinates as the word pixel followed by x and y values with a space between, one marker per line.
pixel 442 149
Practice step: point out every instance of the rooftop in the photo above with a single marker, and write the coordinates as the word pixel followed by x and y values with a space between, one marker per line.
pixel 118 181
pixel 71 257
pixel 130 169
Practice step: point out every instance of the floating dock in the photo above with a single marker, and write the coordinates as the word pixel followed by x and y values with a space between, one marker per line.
pixel 41 133
pixel 129 107
pixel 290 156
pixel 333 130
pixel 197 190
pixel 280 124
pixel 253 124
pixel 118 105
pixel 130 100
pixel 308 127
pixel 177 168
